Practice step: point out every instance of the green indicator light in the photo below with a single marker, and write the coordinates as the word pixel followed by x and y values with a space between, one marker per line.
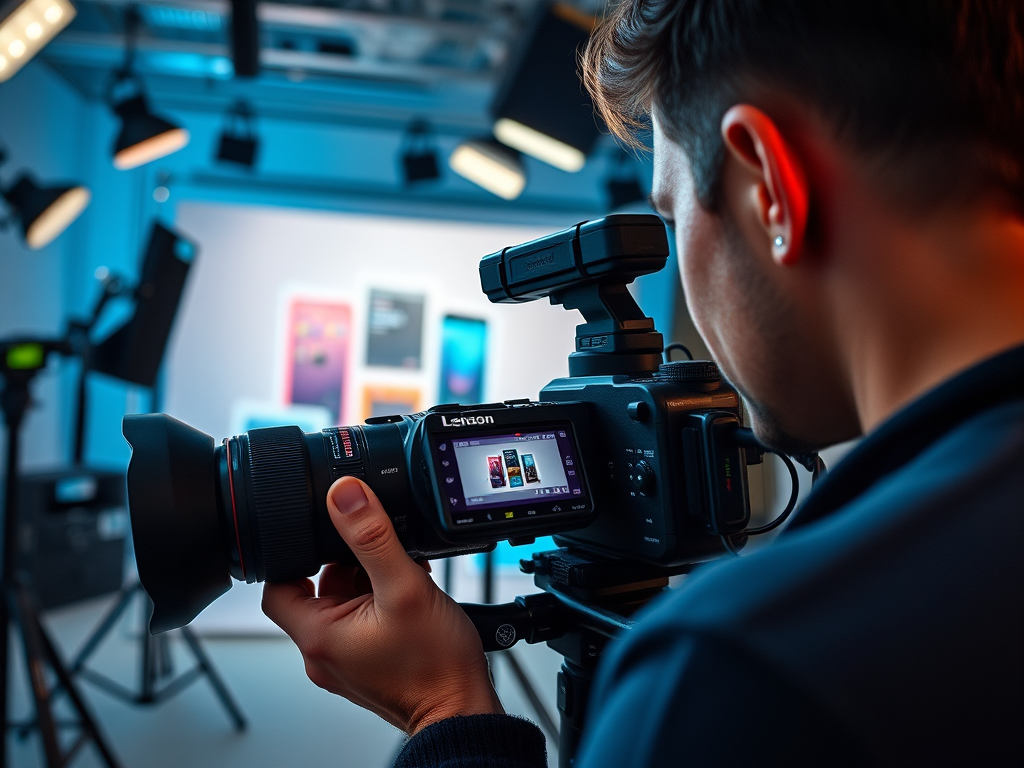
pixel 25 357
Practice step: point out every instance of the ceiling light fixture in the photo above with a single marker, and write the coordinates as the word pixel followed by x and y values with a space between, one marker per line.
pixel 43 212
pixel 238 142
pixel 541 108
pixel 26 28
pixel 419 156
pixel 144 137
pixel 490 165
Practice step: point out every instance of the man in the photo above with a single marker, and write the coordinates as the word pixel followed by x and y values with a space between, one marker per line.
pixel 846 184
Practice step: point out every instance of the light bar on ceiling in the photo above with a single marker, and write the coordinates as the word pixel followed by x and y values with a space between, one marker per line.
pixel 27 29
pixel 496 169
pixel 539 145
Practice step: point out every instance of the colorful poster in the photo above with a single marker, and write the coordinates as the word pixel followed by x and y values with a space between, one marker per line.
pixel 463 357
pixel 318 340
pixel 390 401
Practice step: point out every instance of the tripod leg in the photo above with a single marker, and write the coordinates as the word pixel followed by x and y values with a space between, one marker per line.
pixel 5 629
pixel 103 628
pixel 86 720
pixel 544 720
pixel 93 642
pixel 218 685
pixel 34 654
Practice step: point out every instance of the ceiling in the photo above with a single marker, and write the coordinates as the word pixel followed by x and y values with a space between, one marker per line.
pixel 373 62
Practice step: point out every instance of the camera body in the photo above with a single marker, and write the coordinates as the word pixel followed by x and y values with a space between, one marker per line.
pixel 666 475
pixel 628 458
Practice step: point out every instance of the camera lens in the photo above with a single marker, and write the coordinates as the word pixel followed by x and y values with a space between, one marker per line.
pixel 253 508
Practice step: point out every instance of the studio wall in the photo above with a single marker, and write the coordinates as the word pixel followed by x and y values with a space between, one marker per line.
pixel 230 342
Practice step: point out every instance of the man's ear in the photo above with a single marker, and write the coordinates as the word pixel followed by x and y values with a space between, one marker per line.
pixel 781 193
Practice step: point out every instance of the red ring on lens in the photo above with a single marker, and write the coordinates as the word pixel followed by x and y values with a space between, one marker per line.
pixel 234 510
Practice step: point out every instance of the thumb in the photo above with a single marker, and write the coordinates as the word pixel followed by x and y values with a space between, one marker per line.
pixel 358 516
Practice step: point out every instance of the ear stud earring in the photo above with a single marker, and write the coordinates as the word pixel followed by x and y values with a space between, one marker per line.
pixel 779 241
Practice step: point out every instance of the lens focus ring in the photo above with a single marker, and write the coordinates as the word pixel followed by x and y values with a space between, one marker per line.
pixel 281 491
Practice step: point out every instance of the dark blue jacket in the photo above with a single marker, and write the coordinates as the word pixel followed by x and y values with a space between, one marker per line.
pixel 884 627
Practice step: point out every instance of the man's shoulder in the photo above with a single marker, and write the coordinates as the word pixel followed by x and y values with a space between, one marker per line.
pixel 958 506
pixel 897 616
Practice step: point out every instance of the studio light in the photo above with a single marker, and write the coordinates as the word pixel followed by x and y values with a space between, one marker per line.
pixel 541 108
pixel 144 137
pixel 490 165
pixel 26 28
pixel 419 156
pixel 238 142
pixel 43 212
pixel 539 145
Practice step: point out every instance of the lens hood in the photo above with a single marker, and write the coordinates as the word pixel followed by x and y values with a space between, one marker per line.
pixel 172 498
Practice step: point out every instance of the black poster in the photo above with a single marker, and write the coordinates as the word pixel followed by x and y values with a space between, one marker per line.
pixel 395 330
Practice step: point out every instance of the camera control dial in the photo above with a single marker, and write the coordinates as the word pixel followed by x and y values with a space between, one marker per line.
pixel 642 477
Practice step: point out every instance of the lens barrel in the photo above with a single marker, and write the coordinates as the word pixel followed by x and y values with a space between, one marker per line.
pixel 274 483
pixel 254 507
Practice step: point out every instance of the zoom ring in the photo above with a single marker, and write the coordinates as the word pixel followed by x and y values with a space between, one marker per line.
pixel 284 504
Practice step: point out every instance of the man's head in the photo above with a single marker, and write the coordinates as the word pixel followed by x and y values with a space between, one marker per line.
pixel 795 142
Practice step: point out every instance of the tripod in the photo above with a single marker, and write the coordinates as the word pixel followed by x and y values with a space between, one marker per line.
pixel 156 669
pixel 19 363
pixel 585 602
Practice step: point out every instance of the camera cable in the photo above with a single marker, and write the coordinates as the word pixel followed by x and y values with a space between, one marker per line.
pixel 675 345
pixel 812 461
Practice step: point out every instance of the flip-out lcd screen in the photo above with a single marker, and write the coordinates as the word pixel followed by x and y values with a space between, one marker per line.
pixel 509 475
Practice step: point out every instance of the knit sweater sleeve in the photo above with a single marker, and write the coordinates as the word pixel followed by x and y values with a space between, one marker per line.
pixel 476 741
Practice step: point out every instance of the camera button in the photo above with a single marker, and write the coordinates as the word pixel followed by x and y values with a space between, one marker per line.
pixel 642 477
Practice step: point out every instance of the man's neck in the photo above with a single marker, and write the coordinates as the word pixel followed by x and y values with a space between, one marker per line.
pixel 935 300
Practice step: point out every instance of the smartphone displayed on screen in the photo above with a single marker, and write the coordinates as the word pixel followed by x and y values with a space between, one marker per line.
pixel 319 334
pixel 515 472
pixel 530 469
pixel 463 357
pixel 497 471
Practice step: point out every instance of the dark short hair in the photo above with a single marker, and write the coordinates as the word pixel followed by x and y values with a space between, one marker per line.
pixel 932 89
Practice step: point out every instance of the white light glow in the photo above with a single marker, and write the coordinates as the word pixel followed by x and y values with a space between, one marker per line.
pixel 57 217
pixel 490 168
pixel 3 63
pixel 539 145
pixel 151 149
pixel 25 31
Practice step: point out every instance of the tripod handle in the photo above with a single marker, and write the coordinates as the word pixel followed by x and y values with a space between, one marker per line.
pixel 534 618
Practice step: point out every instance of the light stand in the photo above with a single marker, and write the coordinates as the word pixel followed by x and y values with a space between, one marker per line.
pixel 20 361
pixel 157 680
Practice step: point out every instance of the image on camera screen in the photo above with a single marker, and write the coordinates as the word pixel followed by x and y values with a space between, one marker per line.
pixel 496 471
pixel 535 470
pixel 530 468
pixel 515 473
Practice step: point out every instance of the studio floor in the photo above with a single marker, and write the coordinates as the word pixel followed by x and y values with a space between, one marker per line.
pixel 291 722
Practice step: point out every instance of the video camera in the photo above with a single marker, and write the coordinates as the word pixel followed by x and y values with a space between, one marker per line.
pixel 628 458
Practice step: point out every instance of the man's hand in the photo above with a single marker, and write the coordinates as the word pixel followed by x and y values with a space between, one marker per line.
pixel 393 643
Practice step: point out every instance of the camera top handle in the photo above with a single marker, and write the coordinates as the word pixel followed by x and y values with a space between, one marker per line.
pixel 587 267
